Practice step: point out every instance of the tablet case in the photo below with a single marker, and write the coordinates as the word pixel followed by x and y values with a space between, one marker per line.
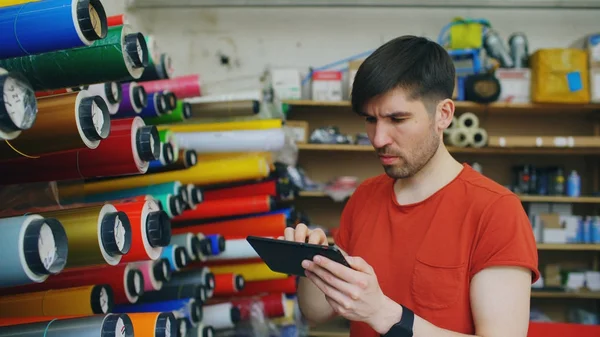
pixel 286 256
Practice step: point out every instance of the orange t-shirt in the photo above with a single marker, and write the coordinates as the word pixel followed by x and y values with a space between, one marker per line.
pixel 425 254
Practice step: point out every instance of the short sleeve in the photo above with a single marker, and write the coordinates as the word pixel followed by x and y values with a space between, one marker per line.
pixel 505 238
pixel 342 235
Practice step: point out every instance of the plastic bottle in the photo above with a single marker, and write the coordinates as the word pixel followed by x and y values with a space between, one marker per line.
pixel 574 184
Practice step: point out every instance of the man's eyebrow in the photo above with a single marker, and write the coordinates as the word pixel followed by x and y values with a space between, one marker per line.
pixel 397 114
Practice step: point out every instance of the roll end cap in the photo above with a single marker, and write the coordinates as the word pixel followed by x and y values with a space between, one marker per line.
pixel 175 205
pixel 148 143
pixel 181 257
pixel 187 110
pixel 196 312
pixel 236 314
pixel 140 97
pixel 239 282
pixel 117 325
pixel 50 257
pixel 158 229
pixel 191 158
pixel 166 325
pixel 162 270
pixel 92 19
pixel 102 299
pixel 208 331
pixel 116 233
pixel 209 281
pixel 94 118
pixel 136 49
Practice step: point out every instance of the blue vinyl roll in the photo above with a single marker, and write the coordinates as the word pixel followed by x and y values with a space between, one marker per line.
pixel 154 190
pixel 156 164
pixel 176 255
pixel 41 26
pixel 214 243
pixel 46 240
pixel 186 308
pixel 153 108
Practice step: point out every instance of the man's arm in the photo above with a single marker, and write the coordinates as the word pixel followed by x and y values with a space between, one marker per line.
pixel 499 297
pixel 312 302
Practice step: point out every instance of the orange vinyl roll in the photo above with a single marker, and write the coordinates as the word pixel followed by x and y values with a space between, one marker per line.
pixel 148 324
pixel 85 300
pixel 271 225
pixel 150 227
pixel 228 284
pixel 252 288
pixel 228 207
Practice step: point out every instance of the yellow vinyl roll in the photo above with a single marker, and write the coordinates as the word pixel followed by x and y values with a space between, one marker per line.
pixel 260 124
pixel 230 155
pixel 56 302
pixel 251 271
pixel 7 3
pixel 204 173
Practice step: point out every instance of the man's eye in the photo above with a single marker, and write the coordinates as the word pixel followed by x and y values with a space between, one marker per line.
pixel 398 120
pixel 370 119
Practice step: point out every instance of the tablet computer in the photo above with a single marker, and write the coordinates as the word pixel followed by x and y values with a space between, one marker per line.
pixel 286 256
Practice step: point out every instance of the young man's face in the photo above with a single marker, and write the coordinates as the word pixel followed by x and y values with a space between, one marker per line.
pixel 402 131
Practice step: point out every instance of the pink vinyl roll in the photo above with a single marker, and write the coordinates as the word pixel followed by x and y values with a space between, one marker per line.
pixel 182 86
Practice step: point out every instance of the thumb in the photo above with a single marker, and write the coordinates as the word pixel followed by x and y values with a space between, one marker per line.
pixel 358 263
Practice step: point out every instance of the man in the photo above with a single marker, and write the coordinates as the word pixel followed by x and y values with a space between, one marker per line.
pixel 436 249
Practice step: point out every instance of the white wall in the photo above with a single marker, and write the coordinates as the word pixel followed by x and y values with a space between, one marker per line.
pixel 303 37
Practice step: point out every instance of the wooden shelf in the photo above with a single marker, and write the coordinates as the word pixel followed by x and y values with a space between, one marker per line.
pixel 565 295
pixel 536 108
pixel 524 198
pixel 462 150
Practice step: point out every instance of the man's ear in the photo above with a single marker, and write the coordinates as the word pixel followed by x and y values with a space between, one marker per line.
pixel 444 113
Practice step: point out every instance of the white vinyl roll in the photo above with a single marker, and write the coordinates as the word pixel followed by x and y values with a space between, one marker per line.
pixel 218 316
pixel 478 138
pixel 99 90
pixel 236 250
pixel 468 120
pixel 460 137
pixel 252 95
pixel 268 140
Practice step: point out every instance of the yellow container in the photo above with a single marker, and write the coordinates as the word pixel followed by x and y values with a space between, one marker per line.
pixel 560 76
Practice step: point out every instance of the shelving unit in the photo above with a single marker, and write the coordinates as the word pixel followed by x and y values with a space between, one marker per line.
pixel 323 162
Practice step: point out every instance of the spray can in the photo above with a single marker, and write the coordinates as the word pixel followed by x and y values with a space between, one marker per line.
pixel 519 50
pixel 574 184
pixel 495 47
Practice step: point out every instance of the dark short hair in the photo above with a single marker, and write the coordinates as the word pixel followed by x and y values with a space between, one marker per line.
pixel 416 64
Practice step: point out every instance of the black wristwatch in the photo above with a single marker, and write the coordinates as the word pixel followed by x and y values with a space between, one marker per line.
pixel 404 328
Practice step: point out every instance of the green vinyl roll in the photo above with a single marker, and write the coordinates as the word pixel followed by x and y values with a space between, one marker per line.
pixel 101 62
pixel 164 200
pixel 175 116
pixel 167 136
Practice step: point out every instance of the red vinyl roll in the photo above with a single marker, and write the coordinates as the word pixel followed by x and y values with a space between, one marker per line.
pixel 227 207
pixel 138 213
pixel 114 156
pixel 286 286
pixel 121 278
pixel 225 284
pixel 182 86
pixel 116 20
pixel 271 225
pixel 54 92
pixel 268 187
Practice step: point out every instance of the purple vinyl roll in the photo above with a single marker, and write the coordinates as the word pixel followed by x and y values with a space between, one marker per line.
pixel 134 100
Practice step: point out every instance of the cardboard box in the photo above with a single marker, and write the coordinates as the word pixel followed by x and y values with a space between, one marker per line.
pixel 593 48
pixel 299 130
pixel 286 83
pixel 352 69
pixel 327 85
pixel 543 141
pixel 558 228
pixel 515 85
pixel 595 85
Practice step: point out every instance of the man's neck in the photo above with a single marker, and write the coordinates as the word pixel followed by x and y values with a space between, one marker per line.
pixel 441 170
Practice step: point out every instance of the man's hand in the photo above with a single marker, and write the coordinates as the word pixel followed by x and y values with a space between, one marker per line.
pixel 354 293
pixel 301 233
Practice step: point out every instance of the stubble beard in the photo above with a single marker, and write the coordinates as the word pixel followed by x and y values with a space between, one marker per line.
pixel 419 158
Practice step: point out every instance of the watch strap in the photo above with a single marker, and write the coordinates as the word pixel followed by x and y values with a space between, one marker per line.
pixel 404 328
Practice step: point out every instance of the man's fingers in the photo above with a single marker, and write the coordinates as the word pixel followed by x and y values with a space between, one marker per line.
pixel 288 234
pixel 346 288
pixel 300 233
pixel 340 271
pixel 316 237
pixel 328 290
pixel 359 264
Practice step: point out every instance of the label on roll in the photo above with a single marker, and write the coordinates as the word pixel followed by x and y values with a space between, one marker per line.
pixel 168 327
pixel 103 300
pixel 97 118
pixel 46 246
pixel 120 328
pixel 119 234
pixel 13 100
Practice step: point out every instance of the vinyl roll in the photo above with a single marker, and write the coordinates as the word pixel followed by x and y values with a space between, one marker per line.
pixel 172 204
pixel 170 100
pixel 271 225
pixel 224 109
pixel 61 91
pixel 98 235
pixel 253 288
pixel 194 196
pixel 110 325
pixel 134 99
pixel 478 137
pixel 219 171
pixel 172 187
pixel 272 305
pixel 176 255
pixel 176 292
pixel 228 284
pixel 182 86
pixel 156 105
pixel 190 242
pixel 85 300
pixel 116 20
pixel 251 271
pixel 121 55
pixel 271 187
pixel 156 273
pixel 110 92
pixel 238 249
pixel 221 316
pixel 125 281
pixel 233 141
pixel 18 105
pixel 205 247
pixel 186 308
pixel 185 159
pixel 202 330
pixel 33 247
pixel 459 137
pixel 217 243
pixel 160 68
pixel 167 136
pixel 468 120
pixel 258 124
pixel 38 27
pixel 154 324
pixel 227 207
pixel 203 277
pixel 66 122
pixel 182 112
